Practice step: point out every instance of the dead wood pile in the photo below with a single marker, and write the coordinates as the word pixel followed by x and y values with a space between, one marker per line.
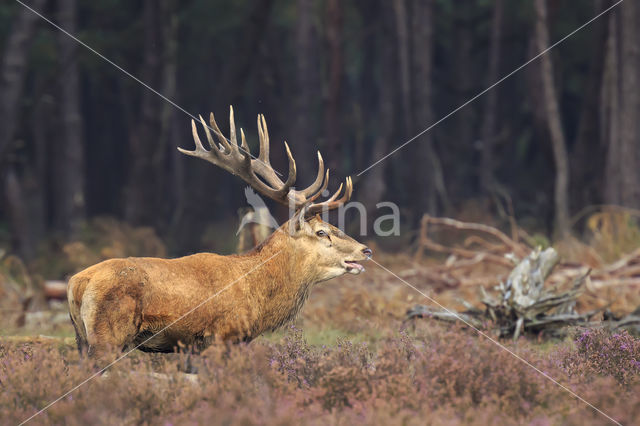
pixel 523 302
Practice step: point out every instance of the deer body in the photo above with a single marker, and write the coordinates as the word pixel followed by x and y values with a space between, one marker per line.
pixel 160 304
pixel 197 299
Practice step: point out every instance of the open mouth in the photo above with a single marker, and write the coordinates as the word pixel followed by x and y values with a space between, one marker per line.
pixel 353 267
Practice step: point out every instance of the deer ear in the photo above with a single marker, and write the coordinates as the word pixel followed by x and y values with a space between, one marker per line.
pixel 298 222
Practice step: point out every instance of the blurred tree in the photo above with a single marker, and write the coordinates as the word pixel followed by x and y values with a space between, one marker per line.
pixel 146 154
pixel 404 65
pixel 463 138
pixel 621 107
pixel 379 49
pixel 333 121
pixel 172 176
pixel 424 178
pixel 241 64
pixel 68 156
pixel 488 135
pixel 12 73
pixel 430 191
pixel 554 121
pixel 587 175
pixel 308 88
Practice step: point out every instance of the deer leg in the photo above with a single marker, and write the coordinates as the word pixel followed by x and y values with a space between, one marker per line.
pixel 114 324
pixel 80 341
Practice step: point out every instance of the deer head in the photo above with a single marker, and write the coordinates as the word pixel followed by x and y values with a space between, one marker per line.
pixel 327 249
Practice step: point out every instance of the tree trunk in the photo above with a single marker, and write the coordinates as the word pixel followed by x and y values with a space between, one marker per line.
pixel 609 114
pixel 486 172
pixel 172 202
pixel 404 64
pixel 13 72
pixel 381 52
pixel 68 166
pixel 621 109
pixel 587 174
pixel 554 123
pixel 629 105
pixel 243 63
pixel 429 182
pixel 336 71
pixel 145 156
pixel 44 130
pixel 463 123
pixel 12 75
pixel 308 93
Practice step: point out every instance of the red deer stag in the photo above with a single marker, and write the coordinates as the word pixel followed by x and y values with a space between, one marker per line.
pixel 155 304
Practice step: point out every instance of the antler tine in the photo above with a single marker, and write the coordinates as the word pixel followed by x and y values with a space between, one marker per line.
pixel 247 154
pixel 212 144
pixel 313 188
pixel 321 190
pixel 199 152
pixel 196 137
pixel 332 203
pixel 243 144
pixel 334 196
pixel 220 136
pixel 262 165
pixel 232 131
pixel 293 172
pixel 263 134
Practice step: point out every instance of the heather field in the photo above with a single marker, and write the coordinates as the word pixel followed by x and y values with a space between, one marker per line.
pixel 348 359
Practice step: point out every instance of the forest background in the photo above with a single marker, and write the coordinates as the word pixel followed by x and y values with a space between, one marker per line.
pixel 81 140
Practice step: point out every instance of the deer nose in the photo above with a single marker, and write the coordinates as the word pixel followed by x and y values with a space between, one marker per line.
pixel 367 252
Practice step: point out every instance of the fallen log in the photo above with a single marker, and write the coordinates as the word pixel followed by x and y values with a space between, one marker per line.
pixel 54 289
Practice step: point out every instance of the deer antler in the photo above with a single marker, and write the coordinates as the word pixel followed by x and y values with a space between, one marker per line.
pixel 259 173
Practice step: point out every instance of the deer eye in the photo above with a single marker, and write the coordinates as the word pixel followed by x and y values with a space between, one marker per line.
pixel 321 233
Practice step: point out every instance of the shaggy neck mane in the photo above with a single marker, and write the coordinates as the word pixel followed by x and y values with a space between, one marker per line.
pixel 280 287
